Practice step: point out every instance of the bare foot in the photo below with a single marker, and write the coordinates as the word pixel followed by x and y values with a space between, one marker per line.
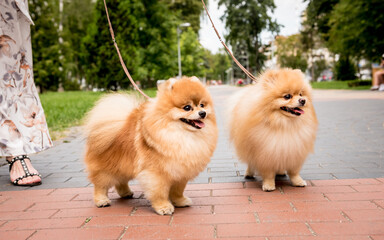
pixel 18 171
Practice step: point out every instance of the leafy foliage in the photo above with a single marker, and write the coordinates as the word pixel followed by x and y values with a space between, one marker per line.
pixel 344 69
pixel 357 28
pixel 217 64
pixel 47 64
pixel 146 35
pixel 76 17
pixel 245 20
pixel 83 49
pixel 192 54
pixel 353 28
pixel 290 53
pixel 188 11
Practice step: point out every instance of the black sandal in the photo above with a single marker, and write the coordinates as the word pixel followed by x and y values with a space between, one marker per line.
pixel 27 173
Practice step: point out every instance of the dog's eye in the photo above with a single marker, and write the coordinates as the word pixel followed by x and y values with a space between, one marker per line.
pixel 287 97
pixel 301 94
pixel 201 105
pixel 187 108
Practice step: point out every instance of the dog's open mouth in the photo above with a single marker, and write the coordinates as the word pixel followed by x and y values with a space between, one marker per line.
pixel 194 123
pixel 295 111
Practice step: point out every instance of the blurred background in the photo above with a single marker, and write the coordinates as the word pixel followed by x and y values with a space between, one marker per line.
pixel 326 39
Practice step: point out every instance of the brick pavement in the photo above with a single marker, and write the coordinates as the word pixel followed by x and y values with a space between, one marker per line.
pixel 349 147
pixel 326 209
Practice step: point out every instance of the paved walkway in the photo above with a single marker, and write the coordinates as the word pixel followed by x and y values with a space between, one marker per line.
pixel 344 199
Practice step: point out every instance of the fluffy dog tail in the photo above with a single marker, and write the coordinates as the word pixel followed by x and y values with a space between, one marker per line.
pixel 107 118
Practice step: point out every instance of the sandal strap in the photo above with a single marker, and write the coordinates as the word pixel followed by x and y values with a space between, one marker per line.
pixel 25 176
pixel 17 158
pixel 24 165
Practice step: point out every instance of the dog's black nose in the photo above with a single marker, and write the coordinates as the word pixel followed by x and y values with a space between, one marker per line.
pixel 302 101
pixel 202 114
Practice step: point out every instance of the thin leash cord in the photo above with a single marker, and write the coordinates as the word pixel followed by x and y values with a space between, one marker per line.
pixel 120 57
pixel 253 78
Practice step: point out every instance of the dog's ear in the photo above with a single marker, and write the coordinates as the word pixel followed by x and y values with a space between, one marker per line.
pixel 299 73
pixel 166 85
pixel 195 79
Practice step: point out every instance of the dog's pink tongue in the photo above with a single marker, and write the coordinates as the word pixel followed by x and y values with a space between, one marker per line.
pixel 199 123
pixel 298 110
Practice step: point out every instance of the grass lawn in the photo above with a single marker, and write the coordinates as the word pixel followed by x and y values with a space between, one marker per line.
pixel 66 109
pixel 350 85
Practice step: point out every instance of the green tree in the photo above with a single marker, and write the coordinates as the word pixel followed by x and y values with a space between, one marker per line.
pixel 146 34
pixel 245 20
pixel 314 33
pixel 317 17
pixel 344 69
pixel 157 43
pixel 76 18
pixel 217 64
pixel 47 66
pixel 290 52
pixel 192 54
pixel 188 11
pixel 357 29
pixel 319 66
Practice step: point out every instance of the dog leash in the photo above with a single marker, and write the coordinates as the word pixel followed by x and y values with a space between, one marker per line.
pixel 120 57
pixel 253 78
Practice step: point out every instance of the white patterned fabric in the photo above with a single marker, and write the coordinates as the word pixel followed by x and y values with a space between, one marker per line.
pixel 23 128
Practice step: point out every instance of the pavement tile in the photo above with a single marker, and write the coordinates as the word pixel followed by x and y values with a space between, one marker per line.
pixel 320 189
pixel 254 207
pixel 294 197
pixel 101 221
pixel 92 212
pixel 348 228
pixel 239 192
pixel 365 181
pixel 377 237
pixel 355 196
pixel 327 237
pixel 43 224
pixel 221 200
pixel 15 206
pixel 169 232
pixel 17 215
pixel 61 205
pixel 213 219
pixel 368 188
pixel 365 215
pixel 79 233
pixel 214 186
pixel 148 211
pixel 339 205
pixel 305 216
pixel 16 235
pixel 264 229
pixel 379 203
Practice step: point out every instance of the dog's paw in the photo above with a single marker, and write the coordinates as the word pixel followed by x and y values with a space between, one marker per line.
pixel 182 202
pixel 298 182
pixel 126 195
pixel 166 209
pixel 103 202
pixel 268 187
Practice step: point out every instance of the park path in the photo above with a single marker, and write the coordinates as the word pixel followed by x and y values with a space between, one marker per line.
pixel 344 198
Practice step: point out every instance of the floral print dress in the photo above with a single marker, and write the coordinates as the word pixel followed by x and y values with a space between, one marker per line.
pixel 23 128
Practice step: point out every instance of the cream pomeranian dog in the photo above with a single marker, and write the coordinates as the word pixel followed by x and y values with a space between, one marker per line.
pixel 163 142
pixel 273 126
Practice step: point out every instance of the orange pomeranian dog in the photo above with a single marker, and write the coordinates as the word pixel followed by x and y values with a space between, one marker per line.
pixel 163 142
pixel 273 126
